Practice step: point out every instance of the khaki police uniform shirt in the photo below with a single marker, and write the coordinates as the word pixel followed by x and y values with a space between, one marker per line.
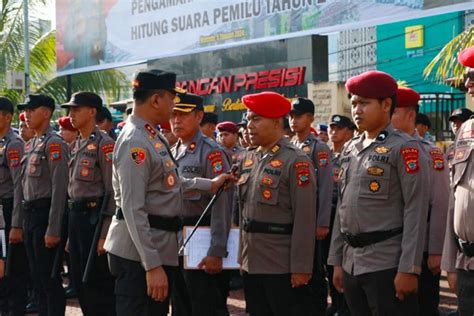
pixel 45 175
pixel 145 182
pixel 90 171
pixel 439 196
pixel 204 158
pixel 11 152
pixel 461 205
pixel 382 188
pixel 277 187
pixel 320 154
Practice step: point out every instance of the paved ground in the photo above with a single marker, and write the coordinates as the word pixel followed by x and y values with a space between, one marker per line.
pixel 237 305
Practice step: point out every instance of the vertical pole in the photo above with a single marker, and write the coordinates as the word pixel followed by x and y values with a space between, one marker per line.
pixel 26 47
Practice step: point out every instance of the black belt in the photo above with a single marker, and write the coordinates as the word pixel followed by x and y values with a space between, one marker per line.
pixel 171 224
pixel 44 203
pixel 365 239
pixel 466 247
pixel 79 205
pixel 192 220
pixel 253 226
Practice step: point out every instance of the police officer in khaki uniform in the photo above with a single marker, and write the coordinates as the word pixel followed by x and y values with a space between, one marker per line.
pixel 44 181
pixel 142 241
pixel 457 118
pixel 201 156
pixel 378 235
pixel 90 174
pixel 404 119
pixel 458 253
pixel 12 288
pixel 277 201
pixel 301 118
pixel 228 137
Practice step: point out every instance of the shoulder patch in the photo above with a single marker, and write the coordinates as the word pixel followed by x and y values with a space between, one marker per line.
pixel 108 150
pixel 323 159
pixel 13 158
pixel 438 159
pixel 138 155
pixel 301 164
pixel 54 151
pixel 303 177
pixel 215 158
pixel 411 157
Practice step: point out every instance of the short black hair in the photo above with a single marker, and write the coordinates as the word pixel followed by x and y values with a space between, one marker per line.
pixel 103 114
pixel 140 96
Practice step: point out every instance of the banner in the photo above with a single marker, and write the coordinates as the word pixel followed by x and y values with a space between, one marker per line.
pixel 101 34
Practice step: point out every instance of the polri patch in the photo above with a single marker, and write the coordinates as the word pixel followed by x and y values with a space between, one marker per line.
pixel 438 159
pixel 138 155
pixel 323 159
pixel 302 177
pixel 108 150
pixel 267 181
pixel 411 157
pixel 216 162
pixel 54 152
pixel 13 158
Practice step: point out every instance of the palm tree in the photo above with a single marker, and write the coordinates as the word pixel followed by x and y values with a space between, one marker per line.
pixel 446 62
pixel 43 59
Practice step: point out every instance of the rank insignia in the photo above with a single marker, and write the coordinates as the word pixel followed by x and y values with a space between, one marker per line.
pixel 138 155
pixel 54 152
pixel 411 158
pixel 248 163
pixel 374 186
pixel 192 147
pixel 14 158
pixel 323 158
pixel 275 163
pixel 375 171
pixel 267 194
pixel 267 181
pixel 169 163
pixel 150 130
pixel 302 177
pixel 85 162
pixel 438 159
pixel 382 150
pixel 158 145
pixel 170 180
pixel 91 147
pixel 275 149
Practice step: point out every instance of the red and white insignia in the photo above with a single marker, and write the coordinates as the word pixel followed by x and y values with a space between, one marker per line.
pixel 303 177
pixel 267 194
pixel 323 159
pixel 170 180
pixel 411 157
pixel 54 152
pixel 438 159
pixel 84 171
pixel 138 155
pixel 216 162
pixel 108 152
pixel 13 158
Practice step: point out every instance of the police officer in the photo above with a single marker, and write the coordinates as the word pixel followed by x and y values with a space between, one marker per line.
pixel 404 119
pixel 165 129
pixel 301 117
pixel 44 181
pixel 142 242
pixel 13 288
pixel 457 118
pixel 341 130
pixel 200 156
pixel 323 133
pixel 228 137
pixel 277 206
pixel 25 132
pixel 458 254
pixel 90 174
pixel 378 235
pixel 66 130
pixel 208 124
pixel 423 125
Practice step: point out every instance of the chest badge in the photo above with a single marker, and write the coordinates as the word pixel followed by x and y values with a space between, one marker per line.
pixel 267 181
pixel 275 163
pixel 248 163
pixel 375 171
pixel 382 150
pixel 267 194
pixel 306 149
pixel 170 180
pixel 374 186
pixel 91 147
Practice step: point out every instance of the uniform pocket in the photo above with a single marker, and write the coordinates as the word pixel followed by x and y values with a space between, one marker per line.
pixel 268 190
pixel 460 162
pixel 34 166
pixel 85 170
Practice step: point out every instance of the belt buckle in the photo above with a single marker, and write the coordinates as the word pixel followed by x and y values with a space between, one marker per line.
pixel 91 204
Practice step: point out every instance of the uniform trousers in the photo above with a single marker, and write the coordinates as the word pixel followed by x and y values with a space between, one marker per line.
pixel 272 295
pixel 131 288
pixel 428 290
pixel 374 294
pixel 51 295
pixel 13 291
pixel 465 292
pixel 96 297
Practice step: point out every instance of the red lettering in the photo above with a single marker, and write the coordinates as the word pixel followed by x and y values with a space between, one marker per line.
pixel 251 80
pixel 202 89
pixel 262 81
pixel 241 83
pixel 274 78
pixel 214 86
pixel 192 86
pixel 226 84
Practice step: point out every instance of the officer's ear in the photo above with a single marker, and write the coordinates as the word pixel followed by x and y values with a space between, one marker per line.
pixel 387 105
pixel 199 116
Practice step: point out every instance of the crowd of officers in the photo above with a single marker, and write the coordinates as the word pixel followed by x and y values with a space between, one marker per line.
pixel 372 220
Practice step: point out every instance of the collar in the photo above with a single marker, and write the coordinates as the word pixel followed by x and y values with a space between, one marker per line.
pixel 194 143
pixel 380 139
pixel 8 135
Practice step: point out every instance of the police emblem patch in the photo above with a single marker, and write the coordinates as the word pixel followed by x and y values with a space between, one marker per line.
pixel 216 162
pixel 374 186
pixel 138 155
pixel 375 171
pixel 301 164
pixel 323 158
pixel 302 177
pixel 438 159
pixel 13 158
pixel 108 152
pixel 54 152
pixel 411 159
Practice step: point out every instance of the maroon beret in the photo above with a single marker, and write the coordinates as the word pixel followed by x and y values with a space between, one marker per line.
pixel 407 97
pixel 267 104
pixel 466 57
pixel 372 84
pixel 165 125
pixel 22 117
pixel 227 126
pixel 65 122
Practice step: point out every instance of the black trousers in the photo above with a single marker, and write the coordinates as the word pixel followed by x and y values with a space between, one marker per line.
pixel 96 297
pixel 50 291
pixel 465 292
pixel 272 295
pixel 196 293
pixel 428 290
pixel 374 294
pixel 131 289
pixel 13 290
pixel 318 285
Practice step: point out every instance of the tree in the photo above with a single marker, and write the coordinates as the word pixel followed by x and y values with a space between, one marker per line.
pixel 445 64
pixel 43 59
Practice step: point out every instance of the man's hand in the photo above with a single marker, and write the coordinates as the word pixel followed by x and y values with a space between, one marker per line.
pixel 453 280
pixel 100 247
pixel 299 279
pixel 321 232
pixel 211 265
pixel 405 284
pixel 337 279
pixel 16 235
pixel 66 247
pixel 434 264
pixel 218 181
pixel 51 241
pixel 157 284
